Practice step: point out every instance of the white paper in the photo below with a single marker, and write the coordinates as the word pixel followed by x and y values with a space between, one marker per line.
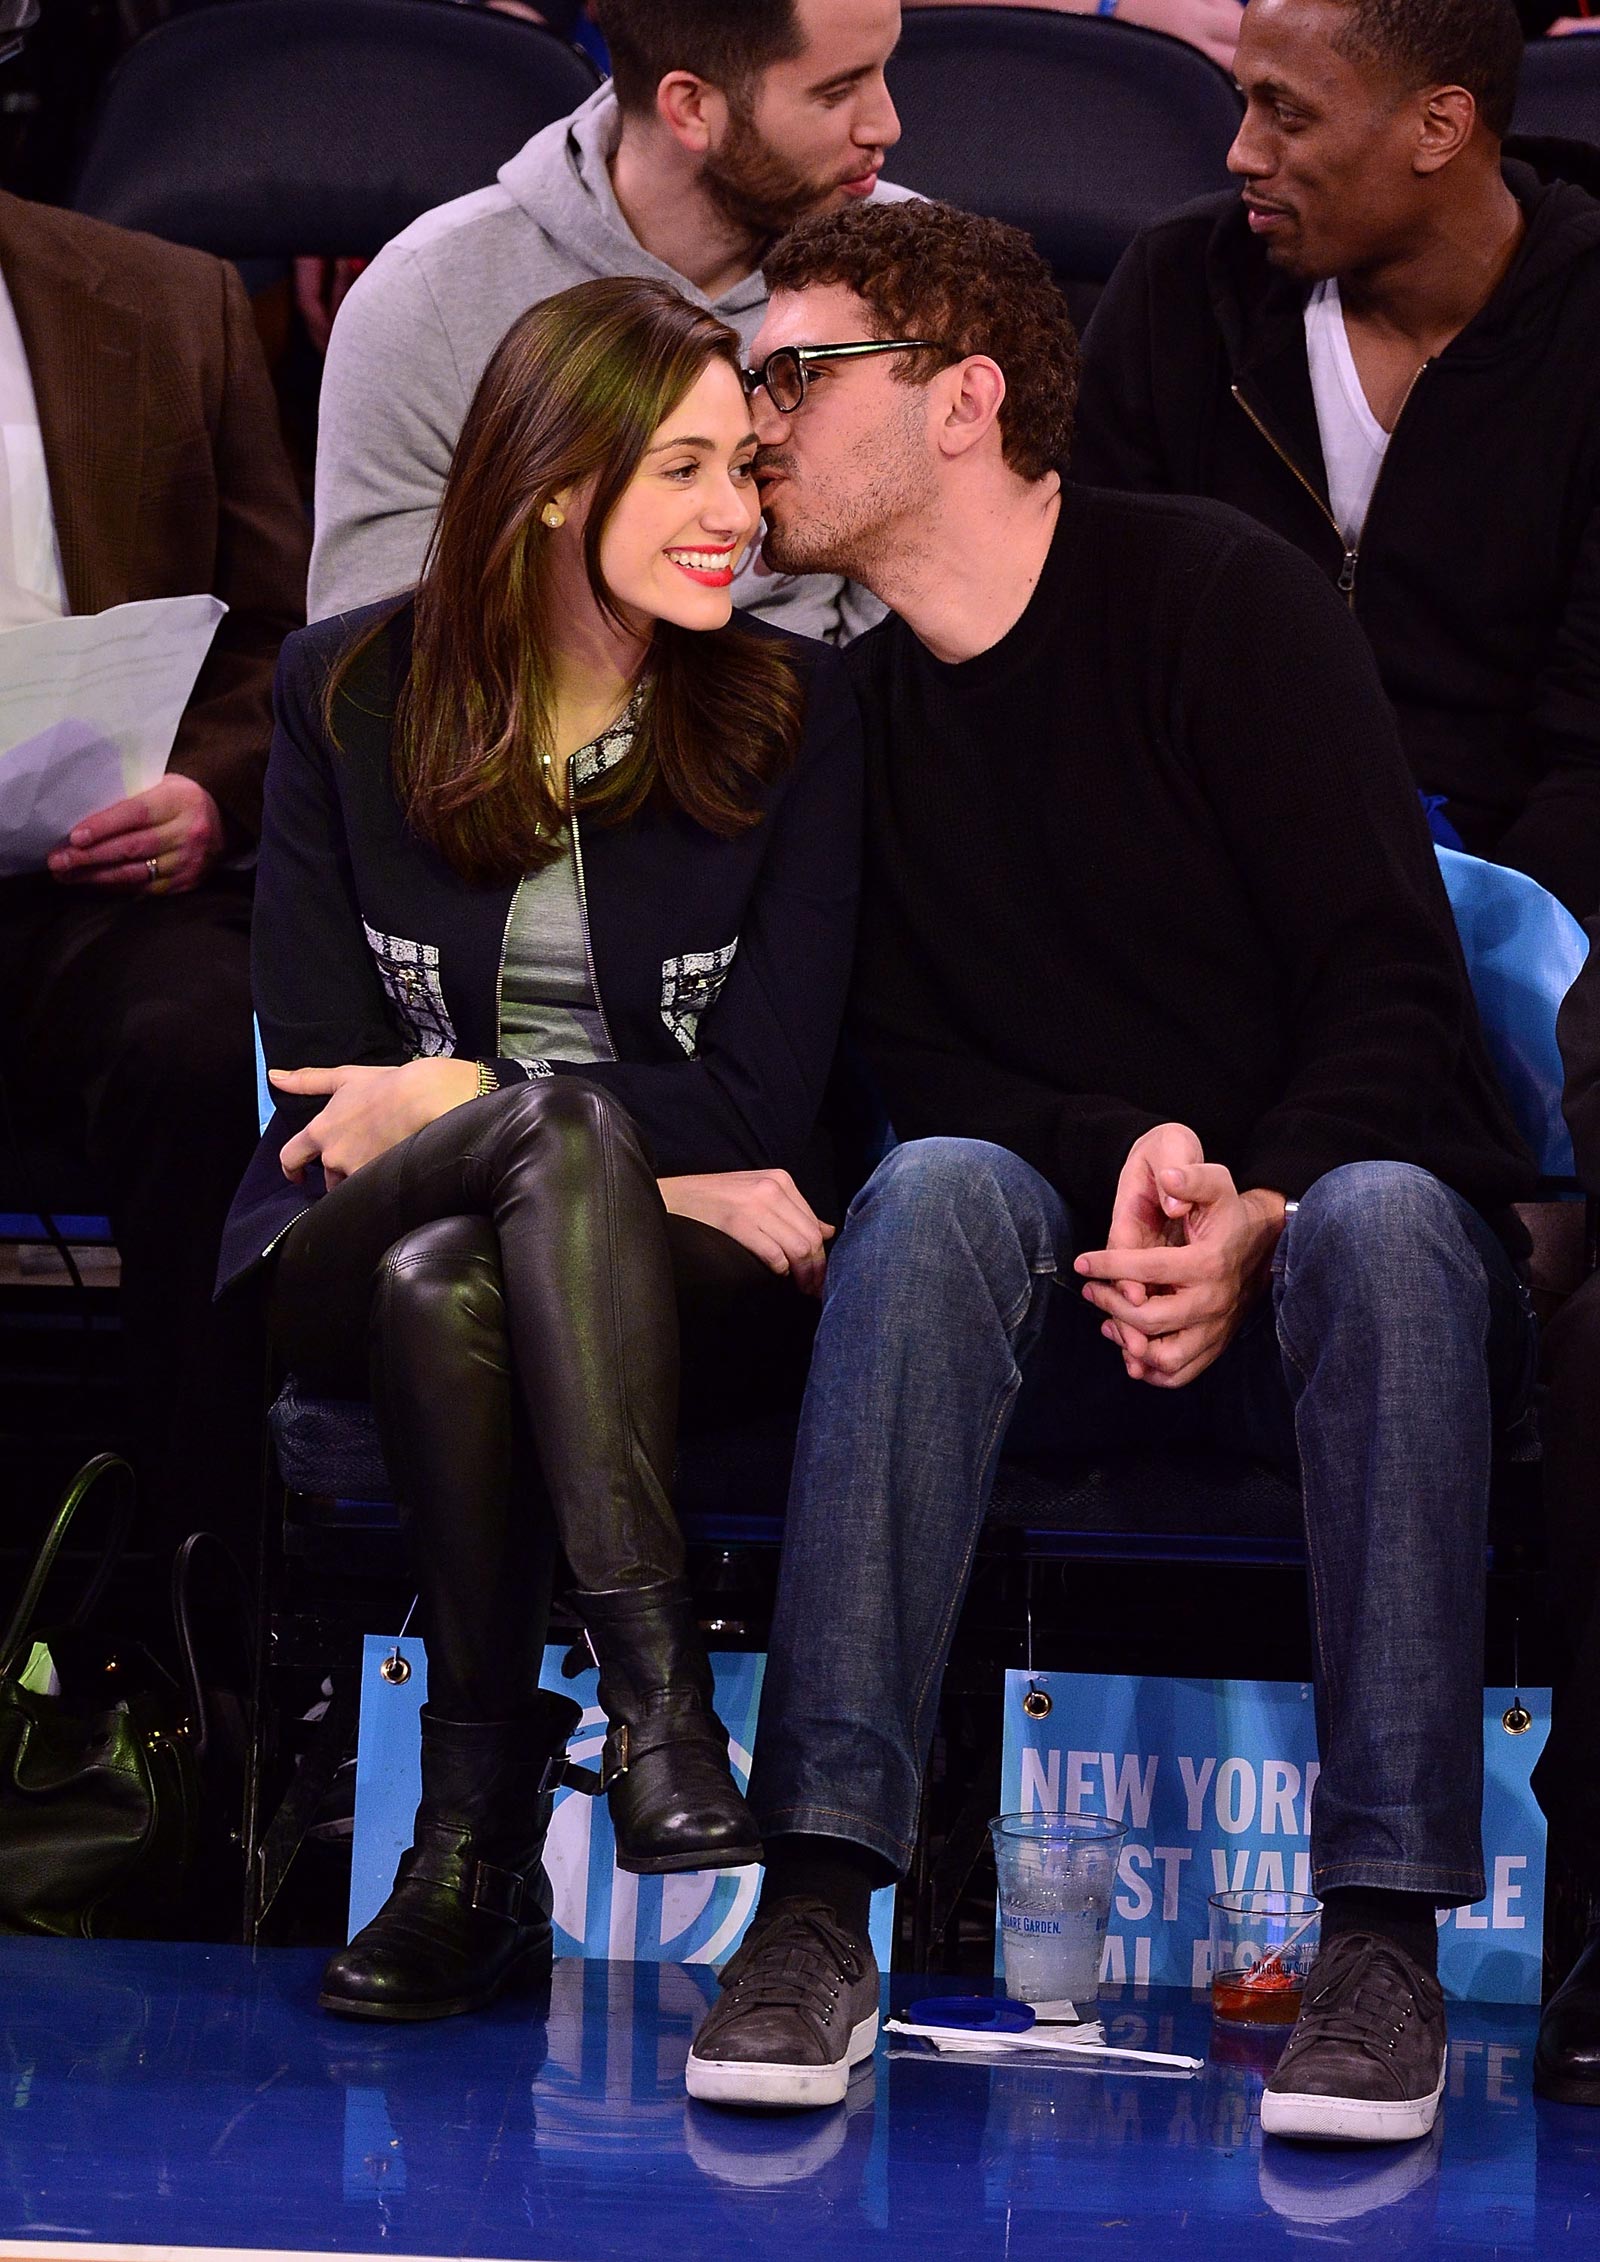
pixel 89 708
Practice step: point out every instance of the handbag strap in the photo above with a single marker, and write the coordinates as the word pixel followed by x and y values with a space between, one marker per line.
pixel 17 1638
pixel 183 1621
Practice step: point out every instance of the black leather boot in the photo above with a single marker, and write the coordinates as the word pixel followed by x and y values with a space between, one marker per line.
pixel 674 1804
pixel 1566 2059
pixel 470 1910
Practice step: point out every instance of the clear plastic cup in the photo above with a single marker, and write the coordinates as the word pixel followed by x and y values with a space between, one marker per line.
pixel 1055 1873
pixel 1262 1946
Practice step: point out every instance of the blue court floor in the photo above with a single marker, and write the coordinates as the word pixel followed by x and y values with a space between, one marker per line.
pixel 157 2098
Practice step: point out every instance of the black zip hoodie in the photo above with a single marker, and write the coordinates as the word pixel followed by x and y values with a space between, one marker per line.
pixel 1477 578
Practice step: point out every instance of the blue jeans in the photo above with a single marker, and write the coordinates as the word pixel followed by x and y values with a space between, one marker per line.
pixel 1396 1341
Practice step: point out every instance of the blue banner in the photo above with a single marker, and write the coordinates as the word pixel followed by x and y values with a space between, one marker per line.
pixel 1215 1781
pixel 600 1910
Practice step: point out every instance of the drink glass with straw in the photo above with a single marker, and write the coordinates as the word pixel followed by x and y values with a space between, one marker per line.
pixel 1263 1943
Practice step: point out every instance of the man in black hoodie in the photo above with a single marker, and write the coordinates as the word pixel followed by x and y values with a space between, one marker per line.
pixel 1387 348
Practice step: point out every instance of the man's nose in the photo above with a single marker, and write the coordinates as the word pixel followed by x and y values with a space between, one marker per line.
pixel 1245 160
pixel 768 423
pixel 878 127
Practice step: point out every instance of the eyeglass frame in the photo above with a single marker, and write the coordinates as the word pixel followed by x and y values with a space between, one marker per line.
pixel 803 356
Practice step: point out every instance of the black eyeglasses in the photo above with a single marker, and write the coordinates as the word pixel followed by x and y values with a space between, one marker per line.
pixel 787 373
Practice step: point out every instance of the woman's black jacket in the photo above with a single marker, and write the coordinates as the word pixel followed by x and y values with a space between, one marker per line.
pixel 720 966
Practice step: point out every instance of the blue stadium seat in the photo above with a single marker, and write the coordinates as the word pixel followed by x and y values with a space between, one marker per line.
pixel 1559 94
pixel 1078 130
pixel 272 127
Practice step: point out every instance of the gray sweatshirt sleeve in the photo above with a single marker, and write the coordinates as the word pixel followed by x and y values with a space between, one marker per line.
pixel 391 409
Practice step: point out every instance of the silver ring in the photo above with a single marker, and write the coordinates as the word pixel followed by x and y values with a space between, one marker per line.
pixel 152 865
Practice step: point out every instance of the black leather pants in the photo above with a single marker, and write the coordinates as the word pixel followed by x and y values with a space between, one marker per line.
pixel 509 1285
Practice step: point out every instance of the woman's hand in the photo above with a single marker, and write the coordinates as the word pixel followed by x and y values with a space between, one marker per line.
pixel 765 1212
pixel 369 1111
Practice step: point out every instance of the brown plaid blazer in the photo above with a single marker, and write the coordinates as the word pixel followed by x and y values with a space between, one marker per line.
pixel 167 471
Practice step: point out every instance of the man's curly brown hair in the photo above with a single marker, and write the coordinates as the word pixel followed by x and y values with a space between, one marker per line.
pixel 929 270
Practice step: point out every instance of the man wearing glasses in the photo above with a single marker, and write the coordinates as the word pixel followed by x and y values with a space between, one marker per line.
pixel 1200 1145
pixel 722 124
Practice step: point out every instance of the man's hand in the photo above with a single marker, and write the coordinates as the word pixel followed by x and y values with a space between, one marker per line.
pixel 765 1212
pixel 174 823
pixel 1186 1257
pixel 369 1111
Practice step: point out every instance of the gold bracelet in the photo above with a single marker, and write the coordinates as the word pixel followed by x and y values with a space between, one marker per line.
pixel 488 1081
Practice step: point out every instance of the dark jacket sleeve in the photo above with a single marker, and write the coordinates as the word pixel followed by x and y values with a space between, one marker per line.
pixel 318 997
pixel 1297 751
pixel 751 1095
pixel 1578 1035
pixel 1117 435
pixel 262 547
pixel 1556 838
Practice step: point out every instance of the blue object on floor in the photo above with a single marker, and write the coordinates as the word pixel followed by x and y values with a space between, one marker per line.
pixel 973 2014
pixel 155 2095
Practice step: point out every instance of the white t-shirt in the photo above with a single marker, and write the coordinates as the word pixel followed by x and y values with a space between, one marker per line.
pixel 1353 441
pixel 31 584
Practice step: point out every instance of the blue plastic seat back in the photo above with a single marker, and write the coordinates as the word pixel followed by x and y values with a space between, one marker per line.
pixel 1523 951
pixel 264 1099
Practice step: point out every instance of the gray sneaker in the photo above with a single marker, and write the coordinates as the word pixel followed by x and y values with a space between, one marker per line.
pixel 798 2008
pixel 1365 2063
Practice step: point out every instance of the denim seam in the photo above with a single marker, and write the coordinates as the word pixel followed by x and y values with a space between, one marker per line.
pixel 872 1832
pixel 953 1609
pixel 1413 1876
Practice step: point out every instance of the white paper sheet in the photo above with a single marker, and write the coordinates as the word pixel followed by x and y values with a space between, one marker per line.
pixel 89 708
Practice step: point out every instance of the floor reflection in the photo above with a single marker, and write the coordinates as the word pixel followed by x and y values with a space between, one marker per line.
pixel 188 2096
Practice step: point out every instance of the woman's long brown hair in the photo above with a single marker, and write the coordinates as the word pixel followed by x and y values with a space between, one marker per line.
pixel 576 391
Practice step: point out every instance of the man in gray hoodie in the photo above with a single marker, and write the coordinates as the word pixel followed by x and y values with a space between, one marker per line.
pixel 726 121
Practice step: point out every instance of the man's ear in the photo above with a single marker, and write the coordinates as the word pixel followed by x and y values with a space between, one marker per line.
pixel 967 402
pixel 1448 117
pixel 693 111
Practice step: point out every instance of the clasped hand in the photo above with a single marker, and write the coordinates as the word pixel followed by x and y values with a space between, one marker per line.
pixel 1186 1256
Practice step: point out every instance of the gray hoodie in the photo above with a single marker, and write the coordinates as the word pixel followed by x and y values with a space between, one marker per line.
pixel 416 331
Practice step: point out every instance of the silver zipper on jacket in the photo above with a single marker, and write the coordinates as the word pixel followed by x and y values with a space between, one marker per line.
pixel 583 915
pixel 1352 550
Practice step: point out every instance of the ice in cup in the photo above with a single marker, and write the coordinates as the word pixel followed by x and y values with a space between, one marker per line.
pixel 1055 1873
pixel 1263 1943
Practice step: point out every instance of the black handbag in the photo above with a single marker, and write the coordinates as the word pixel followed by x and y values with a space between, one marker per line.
pixel 99 1808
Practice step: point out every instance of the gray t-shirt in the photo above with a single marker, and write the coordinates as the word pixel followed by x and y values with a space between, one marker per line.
pixel 548 1009
pixel 548 1006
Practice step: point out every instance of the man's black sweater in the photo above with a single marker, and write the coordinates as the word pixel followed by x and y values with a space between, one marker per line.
pixel 1155 856
pixel 1478 575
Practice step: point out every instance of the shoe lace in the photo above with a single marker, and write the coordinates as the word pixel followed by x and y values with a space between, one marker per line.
pixel 1368 1997
pixel 796 1960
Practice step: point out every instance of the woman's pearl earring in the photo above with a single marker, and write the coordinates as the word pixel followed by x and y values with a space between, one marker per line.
pixel 552 515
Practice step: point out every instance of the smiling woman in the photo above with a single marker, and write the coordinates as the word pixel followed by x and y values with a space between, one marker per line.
pixel 553 923
pixel 601 496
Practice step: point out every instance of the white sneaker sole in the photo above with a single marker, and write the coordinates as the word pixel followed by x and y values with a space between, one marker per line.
pixel 718 2081
pixel 1349 2120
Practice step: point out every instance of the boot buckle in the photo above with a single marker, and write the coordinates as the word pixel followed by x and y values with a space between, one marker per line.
pixel 614 1758
pixel 498 1891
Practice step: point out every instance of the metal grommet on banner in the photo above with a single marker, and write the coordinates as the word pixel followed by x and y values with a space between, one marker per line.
pixel 1037 1703
pixel 1516 1719
pixel 395 1669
